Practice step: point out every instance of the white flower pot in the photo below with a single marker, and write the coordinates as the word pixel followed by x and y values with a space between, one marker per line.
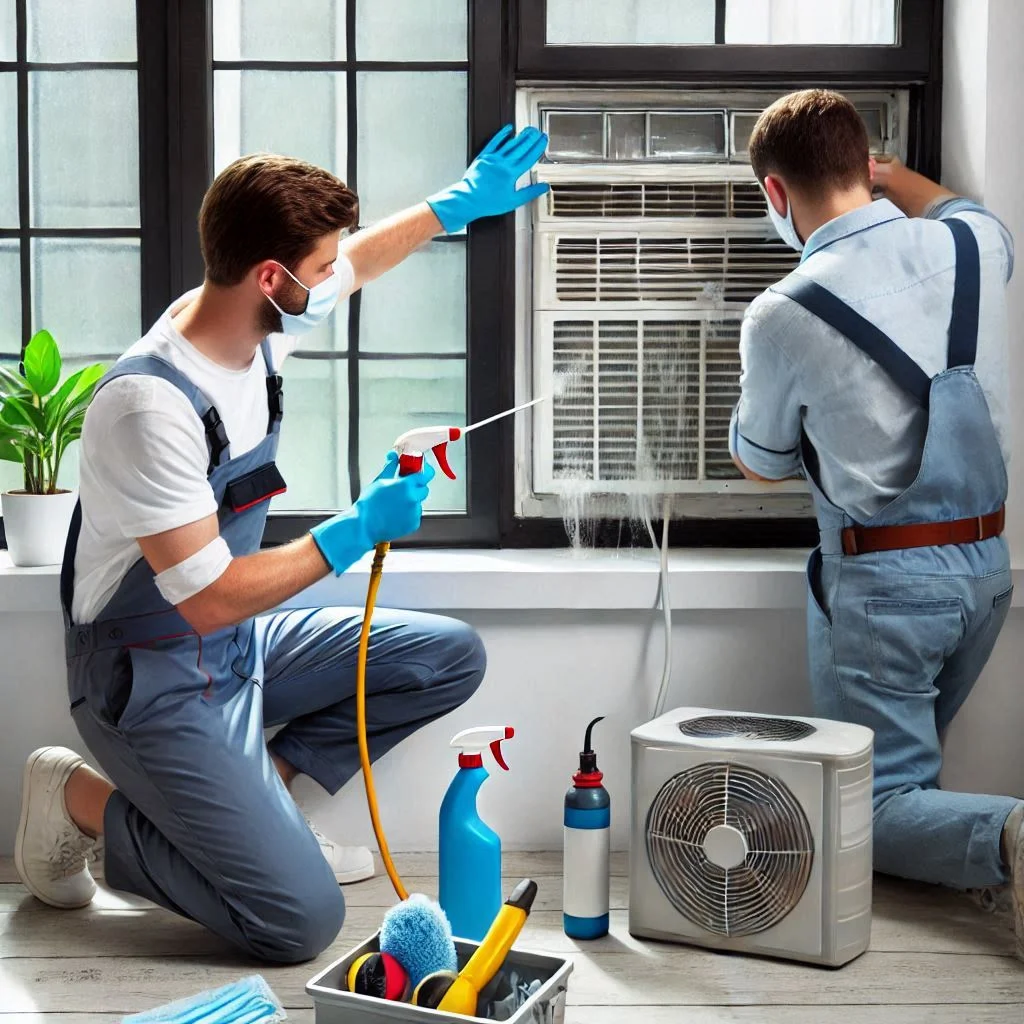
pixel 36 526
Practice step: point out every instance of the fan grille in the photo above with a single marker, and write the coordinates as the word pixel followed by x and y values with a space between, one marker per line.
pixel 746 727
pixel 760 891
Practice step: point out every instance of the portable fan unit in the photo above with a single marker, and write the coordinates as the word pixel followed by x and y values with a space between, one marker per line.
pixel 752 833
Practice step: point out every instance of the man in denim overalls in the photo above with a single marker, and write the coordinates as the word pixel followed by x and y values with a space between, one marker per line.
pixel 878 370
pixel 176 659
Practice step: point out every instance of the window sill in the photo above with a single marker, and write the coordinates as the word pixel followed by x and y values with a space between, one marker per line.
pixel 524 580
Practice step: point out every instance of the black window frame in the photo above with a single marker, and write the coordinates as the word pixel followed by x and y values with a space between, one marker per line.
pixel 193 58
pixel 913 63
pixel 150 66
pixel 506 46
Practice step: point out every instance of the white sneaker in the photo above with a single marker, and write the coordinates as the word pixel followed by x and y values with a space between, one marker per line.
pixel 349 863
pixel 51 854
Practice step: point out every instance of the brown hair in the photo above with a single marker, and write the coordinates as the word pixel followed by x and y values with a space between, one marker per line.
pixel 812 138
pixel 265 207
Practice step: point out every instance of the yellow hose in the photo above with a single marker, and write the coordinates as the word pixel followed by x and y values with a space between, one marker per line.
pixel 364 749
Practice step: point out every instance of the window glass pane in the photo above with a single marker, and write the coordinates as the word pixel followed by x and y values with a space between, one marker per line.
pixel 331 335
pixel 294 113
pixel 85 292
pixel 412 137
pixel 850 22
pixel 411 30
pixel 401 394
pixel 573 136
pixel 81 30
pixel 631 22
pixel 420 306
pixel 272 30
pixel 84 132
pixel 687 135
pixel 314 436
pixel 10 297
pixel 8 31
pixel 9 151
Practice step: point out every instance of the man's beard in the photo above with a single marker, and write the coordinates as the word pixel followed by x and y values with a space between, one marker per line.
pixel 291 298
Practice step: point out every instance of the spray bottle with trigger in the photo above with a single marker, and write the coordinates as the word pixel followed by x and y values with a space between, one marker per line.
pixel 470 851
pixel 586 849
pixel 410 447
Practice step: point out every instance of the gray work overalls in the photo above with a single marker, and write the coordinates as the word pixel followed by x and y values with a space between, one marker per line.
pixel 201 822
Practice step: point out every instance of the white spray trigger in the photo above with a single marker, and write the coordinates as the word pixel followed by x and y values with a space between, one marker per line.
pixel 471 742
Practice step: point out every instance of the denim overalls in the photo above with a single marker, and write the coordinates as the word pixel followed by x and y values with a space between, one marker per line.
pixel 201 822
pixel 897 639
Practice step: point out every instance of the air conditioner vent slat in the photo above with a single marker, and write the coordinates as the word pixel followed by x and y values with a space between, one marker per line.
pixel 599 200
pixel 659 269
pixel 632 404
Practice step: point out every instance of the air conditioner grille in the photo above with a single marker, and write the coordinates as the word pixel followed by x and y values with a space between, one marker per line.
pixel 772 847
pixel 630 403
pixel 600 199
pixel 747 727
pixel 661 269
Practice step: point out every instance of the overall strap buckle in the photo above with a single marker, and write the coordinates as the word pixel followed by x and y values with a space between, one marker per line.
pixel 216 437
pixel 275 400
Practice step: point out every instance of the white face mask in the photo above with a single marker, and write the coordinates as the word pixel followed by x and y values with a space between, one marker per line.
pixel 323 297
pixel 784 225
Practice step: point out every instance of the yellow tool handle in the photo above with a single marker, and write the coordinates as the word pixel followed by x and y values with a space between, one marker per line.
pixel 461 997
pixel 364 750
pixel 491 953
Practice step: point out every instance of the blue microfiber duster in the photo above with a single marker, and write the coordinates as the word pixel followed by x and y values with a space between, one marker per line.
pixel 248 1001
pixel 417 934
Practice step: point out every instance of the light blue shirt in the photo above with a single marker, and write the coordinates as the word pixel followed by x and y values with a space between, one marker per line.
pixel 797 372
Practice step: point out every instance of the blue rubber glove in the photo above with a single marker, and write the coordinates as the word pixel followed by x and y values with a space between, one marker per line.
pixel 391 507
pixel 489 186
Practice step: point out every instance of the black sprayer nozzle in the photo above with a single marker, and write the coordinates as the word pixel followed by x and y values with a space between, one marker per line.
pixel 588 759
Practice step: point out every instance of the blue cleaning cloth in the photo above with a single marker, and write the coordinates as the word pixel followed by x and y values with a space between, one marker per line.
pixel 249 1001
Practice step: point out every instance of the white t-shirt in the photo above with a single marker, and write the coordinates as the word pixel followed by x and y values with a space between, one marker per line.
pixel 144 456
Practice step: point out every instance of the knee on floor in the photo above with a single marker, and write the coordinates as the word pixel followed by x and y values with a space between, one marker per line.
pixel 306 920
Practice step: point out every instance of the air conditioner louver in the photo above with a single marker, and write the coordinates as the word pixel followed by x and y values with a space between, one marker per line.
pixel 615 268
pixel 629 401
pixel 704 199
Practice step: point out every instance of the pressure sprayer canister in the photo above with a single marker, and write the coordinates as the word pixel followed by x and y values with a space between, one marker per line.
pixel 469 850
pixel 587 835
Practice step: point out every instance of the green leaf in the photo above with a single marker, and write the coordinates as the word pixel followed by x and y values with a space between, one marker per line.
pixel 19 413
pixel 10 452
pixel 73 393
pixel 42 363
pixel 11 383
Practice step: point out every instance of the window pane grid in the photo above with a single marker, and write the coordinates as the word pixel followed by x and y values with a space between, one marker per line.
pixel 413 319
pixel 77 182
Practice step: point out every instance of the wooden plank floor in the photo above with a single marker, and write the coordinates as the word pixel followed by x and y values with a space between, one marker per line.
pixel 934 958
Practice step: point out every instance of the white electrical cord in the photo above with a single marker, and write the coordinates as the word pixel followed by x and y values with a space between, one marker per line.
pixel 665 599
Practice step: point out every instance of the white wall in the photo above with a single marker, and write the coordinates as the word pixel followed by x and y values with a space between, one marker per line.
pixel 1004 195
pixel 549 674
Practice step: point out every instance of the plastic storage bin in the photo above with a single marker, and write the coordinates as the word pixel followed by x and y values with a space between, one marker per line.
pixel 334 1005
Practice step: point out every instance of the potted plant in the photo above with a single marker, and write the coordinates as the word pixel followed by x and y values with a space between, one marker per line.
pixel 38 422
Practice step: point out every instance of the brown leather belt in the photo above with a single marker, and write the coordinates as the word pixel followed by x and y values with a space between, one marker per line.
pixel 861 540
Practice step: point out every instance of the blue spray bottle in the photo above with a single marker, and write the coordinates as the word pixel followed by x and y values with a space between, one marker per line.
pixel 587 835
pixel 469 850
